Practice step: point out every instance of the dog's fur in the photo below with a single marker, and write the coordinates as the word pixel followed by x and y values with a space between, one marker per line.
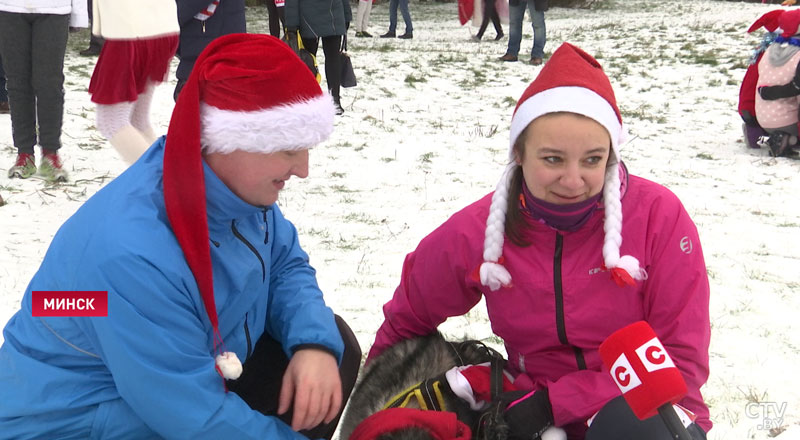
pixel 404 365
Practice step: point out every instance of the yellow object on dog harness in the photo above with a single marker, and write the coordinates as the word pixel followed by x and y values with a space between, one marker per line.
pixel 428 394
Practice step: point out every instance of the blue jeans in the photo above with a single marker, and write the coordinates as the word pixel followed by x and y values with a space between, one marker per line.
pixel 516 14
pixel 393 4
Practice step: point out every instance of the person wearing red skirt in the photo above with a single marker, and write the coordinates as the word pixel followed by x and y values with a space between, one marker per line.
pixel 141 39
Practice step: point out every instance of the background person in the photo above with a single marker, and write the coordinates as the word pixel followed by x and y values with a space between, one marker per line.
pixel 392 32
pixel 516 15
pixel 327 20
pixel 33 41
pixel 141 37
pixel 202 21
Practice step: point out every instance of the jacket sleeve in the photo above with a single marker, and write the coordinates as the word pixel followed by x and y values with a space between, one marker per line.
pixel 348 12
pixel 435 284
pixel 292 14
pixel 677 302
pixel 297 312
pixel 575 397
pixel 155 342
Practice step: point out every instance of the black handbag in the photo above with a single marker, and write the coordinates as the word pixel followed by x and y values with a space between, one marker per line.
pixel 348 77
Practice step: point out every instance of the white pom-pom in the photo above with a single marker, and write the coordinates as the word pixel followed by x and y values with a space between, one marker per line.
pixel 230 365
pixel 631 265
pixel 494 275
pixel 554 433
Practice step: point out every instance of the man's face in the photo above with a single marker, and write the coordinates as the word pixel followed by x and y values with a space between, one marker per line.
pixel 257 178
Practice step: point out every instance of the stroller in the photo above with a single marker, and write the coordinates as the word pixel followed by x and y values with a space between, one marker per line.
pixel 779 104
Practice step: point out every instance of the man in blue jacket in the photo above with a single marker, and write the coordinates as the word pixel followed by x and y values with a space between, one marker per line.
pixel 201 269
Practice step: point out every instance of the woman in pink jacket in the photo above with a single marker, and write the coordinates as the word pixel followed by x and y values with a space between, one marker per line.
pixel 568 249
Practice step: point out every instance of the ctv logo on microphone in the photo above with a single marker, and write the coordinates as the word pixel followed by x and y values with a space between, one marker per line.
pixel 653 357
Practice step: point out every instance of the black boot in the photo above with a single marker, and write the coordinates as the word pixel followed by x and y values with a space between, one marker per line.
pixel 337 105
pixel 778 143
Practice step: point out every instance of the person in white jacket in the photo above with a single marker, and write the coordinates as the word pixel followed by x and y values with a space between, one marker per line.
pixel 141 37
pixel 33 40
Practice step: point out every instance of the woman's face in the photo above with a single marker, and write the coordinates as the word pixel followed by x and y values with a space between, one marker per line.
pixel 564 157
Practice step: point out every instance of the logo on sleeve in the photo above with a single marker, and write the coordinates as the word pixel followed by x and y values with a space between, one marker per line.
pixel 686 245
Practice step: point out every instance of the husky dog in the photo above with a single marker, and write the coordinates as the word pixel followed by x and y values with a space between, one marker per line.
pixel 405 365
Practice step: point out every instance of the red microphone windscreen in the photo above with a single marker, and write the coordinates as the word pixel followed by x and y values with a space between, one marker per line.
pixel 642 369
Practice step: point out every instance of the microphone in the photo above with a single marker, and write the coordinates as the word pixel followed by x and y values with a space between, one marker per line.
pixel 649 380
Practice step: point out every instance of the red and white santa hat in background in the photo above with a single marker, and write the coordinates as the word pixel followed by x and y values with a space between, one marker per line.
pixel 787 21
pixel 246 92
pixel 571 81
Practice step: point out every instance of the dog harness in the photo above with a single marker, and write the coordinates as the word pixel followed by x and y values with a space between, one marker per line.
pixel 428 395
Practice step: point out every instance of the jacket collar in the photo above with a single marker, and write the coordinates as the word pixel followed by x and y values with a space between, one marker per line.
pixel 222 205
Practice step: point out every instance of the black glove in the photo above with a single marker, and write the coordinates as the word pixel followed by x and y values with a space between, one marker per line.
pixel 519 415
pixel 783 91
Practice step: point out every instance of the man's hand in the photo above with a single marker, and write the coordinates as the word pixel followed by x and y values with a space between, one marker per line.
pixel 788 2
pixel 312 383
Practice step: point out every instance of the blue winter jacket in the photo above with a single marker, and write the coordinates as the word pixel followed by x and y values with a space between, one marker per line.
pixel 147 369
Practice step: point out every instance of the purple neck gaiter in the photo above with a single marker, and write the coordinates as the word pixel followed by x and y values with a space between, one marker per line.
pixel 568 217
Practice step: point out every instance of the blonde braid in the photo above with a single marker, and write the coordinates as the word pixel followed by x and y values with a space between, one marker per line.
pixel 493 274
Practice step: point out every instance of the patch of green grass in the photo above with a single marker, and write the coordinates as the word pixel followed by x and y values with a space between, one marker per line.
pixel 426 158
pixel 411 80
pixel 705 156
pixel 385 47
pixel 342 189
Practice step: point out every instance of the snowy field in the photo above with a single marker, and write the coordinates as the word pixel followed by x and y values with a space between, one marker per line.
pixel 426 132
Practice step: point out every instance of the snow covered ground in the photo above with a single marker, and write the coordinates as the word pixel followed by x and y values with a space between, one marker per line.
pixel 426 132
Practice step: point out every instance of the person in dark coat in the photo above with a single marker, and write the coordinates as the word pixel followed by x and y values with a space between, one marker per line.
pixel 227 18
pixel 325 19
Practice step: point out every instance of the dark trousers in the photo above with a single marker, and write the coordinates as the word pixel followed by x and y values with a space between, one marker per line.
pixel 331 46
pixel 276 18
pixel 490 13
pixel 95 41
pixel 3 92
pixel 32 47
pixel 616 421
pixel 260 382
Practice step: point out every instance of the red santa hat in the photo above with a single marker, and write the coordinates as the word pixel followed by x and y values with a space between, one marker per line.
pixel 785 21
pixel 246 92
pixel 571 81
pixel 440 425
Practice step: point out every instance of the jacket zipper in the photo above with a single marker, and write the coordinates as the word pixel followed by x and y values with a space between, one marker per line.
pixel 247 335
pixel 266 226
pixel 241 238
pixel 561 327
